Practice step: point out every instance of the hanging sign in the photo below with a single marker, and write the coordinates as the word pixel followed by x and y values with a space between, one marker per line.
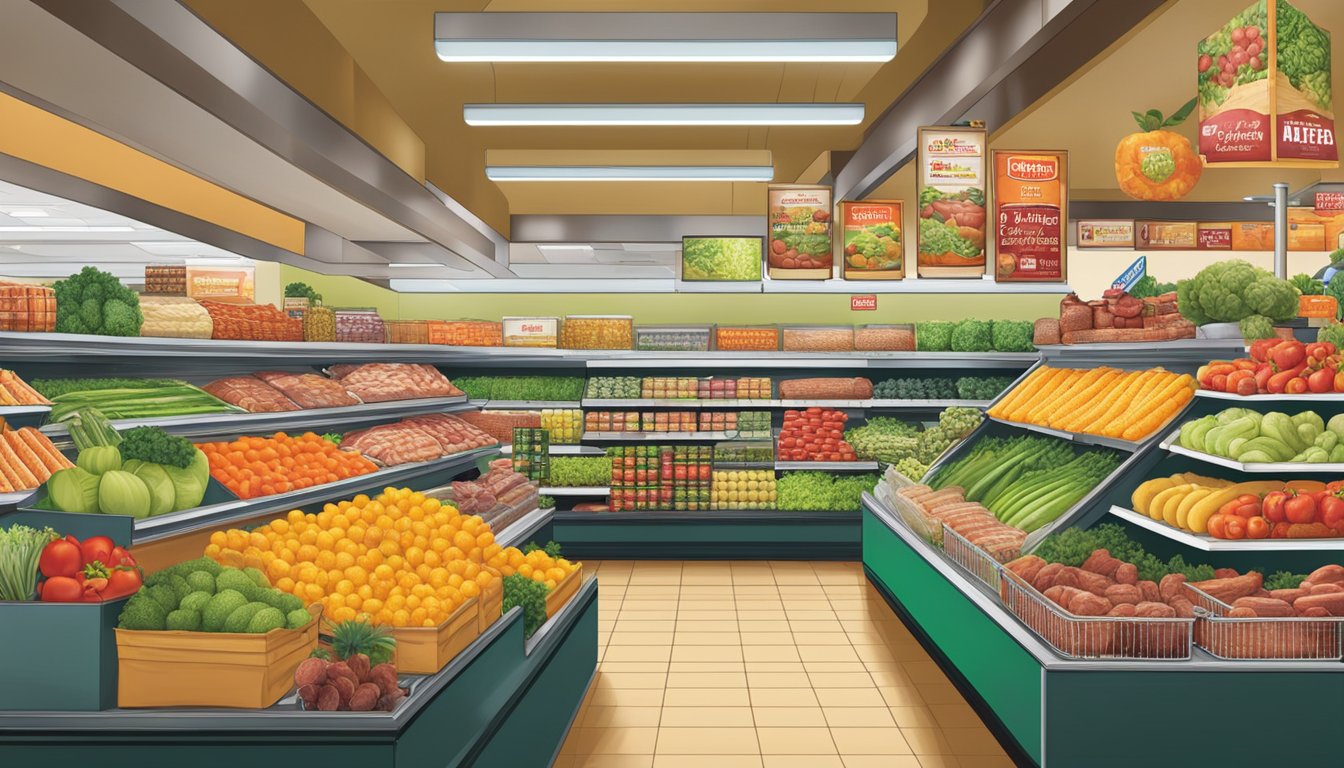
pixel 1132 274
pixel 1031 194
pixel 863 303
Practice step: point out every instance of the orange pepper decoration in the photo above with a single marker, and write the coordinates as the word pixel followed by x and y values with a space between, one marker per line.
pixel 1157 164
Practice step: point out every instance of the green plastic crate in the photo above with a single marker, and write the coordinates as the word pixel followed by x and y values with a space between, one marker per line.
pixel 59 656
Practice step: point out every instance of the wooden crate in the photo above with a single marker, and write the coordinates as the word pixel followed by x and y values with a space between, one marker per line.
pixel 426 650
pixel 564 591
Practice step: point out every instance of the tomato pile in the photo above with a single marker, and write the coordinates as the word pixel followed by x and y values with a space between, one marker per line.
pixel 815 434
pixel 89 571
pixel 1277 366
pixel 1248 43
pixel 1287 514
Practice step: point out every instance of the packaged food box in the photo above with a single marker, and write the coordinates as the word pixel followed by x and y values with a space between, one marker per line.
pixel 166 279
pixel 27 308
pixel 466 333
pixel 838 338
pixel 362 325
pixel 760 338
pixel 319 324
pixel 597 332
pixel 885 338
pixel 653 338
pixel 540 332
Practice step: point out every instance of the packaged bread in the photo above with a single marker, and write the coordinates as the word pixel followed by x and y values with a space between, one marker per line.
pixel 176 317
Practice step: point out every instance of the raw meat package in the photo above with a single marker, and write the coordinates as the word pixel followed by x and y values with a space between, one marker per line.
pixel 381 382
pixel 27 308
pixel 251 394
pixel 826 389
pixel 454 434
pixel 309 390
pixel 392 444
pixel 500 424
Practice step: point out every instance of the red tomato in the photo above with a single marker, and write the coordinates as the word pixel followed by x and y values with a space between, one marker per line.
pixel 1273 506
pixel 1257 528
pixel 97 549
pixel 62 589
pixel 122 582
pixel 1215 525
pixel 1234 527
pixel 120 557
pixel 1300 509
pixel 1332 512
pixel 1247 510
pixel 60 558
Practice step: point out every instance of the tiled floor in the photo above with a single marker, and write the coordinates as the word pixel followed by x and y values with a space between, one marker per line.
pixel 764 665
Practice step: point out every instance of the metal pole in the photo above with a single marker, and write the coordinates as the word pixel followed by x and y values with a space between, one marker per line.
pixel 1281 230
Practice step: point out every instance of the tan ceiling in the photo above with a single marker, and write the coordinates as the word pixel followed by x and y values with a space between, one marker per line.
pixel 391 41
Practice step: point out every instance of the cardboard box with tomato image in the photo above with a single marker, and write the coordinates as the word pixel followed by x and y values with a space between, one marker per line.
pixel 871 243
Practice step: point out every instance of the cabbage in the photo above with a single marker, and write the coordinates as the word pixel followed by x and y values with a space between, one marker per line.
pixel 122 493
pixel 200 468
pixel 73 490
pixel 162 493
pixel 132 465
pixel 99 459
pixel 188 489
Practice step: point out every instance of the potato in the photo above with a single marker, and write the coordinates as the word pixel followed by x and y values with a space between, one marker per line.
pixel 385 677
pixel 1127 573
pixel 1150 591
pixel 311 672
pixel 365 698
pixel 328 698
pixel 359 664
pixel 344 686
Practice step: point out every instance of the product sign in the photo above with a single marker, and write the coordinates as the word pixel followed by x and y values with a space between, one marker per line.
pixel 1264 89
pixel 865 303
pixel 870 240
pixel 1317 306
pixel 952 182
pixel 232 285
pixel 1031 195
pixel 799 231
pixel 1105 233
pixel 1132 274
pixel 1166 235
pixel 1252 236
pixel 1213 237
pixel 1329 202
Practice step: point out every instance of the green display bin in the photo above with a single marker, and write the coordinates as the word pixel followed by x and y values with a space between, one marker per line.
pixel 120 528
pixel 59 657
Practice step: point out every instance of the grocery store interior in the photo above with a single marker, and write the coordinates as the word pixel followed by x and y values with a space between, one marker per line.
pixel 761 384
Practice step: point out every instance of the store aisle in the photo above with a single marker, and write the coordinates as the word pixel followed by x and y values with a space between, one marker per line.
pixel 768 665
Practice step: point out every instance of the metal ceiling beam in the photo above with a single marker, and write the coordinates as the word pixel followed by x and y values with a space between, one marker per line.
pixel 171 44
pixel 1014 54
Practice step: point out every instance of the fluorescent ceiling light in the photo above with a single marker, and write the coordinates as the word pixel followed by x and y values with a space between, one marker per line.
pixel 412 264
pixel 662 114
pixel 549 247
pixel 732 37
pixel 26 213
pixel 66 229
pixel 630 173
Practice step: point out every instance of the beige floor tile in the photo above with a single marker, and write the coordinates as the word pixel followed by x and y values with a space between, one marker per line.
pixel 778 680
pixel 751 577
pixel 649 591
pixel 614 697
pixel 637 653
pixel 707 741
pixel 616 741
pixel 921 672
pixel 782 697
pixel 870 653
pixel 827 653
pixel 624 624
pixel 883 761
pixel 889 675
pixel 972 741
pixel 850 697
pixel 706 697
pixel 796 741
pixel 938 761
pixel 955 716
pixel 621 717
pixel 835 666
pixel 635 679
pixel 707 717
pixel 775 666
pixel 927 741
pixel 770 653
pixel 563 760
pixel 858 717
pixel 684 615
pixel 914 717
pixel 684 626
pixel 986 761
pixel 788 717
pixel 613 761
pixel 705 761
pixel 767 638
pixel 705 604
pixel 706 680
pixel 640 638
pixel 898 696
pixel 820 638
pixel 660 667
pixel 707 666
pixel 767 590
pixel 940 693
pixel 870 741
pixel 840 679
pixel 802 761
pixel 804 626
pixel 707 653
pixel 706 638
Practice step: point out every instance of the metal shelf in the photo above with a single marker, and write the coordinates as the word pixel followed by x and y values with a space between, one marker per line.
pixel 918 405
pixel 24 415
pixel 1081 438
pixel 829 466
pixel 655 437
pixel 1267 468
pixel 1210 544
pixel 525 405
pixel 636 516
pixel 1303 397
pixel 563 450
pixel 591 490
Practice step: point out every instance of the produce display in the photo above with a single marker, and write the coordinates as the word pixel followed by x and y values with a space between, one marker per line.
pixel 15 391
pixel 825 389
pixel 1027 482
pixel 1251 437
pixel 1117 317
pixel 1073 546
pixel 27 308
pixel 744 388
pixel 669 387
pixel 721 258
pixel 407 331
pixel 974 336
pixel 647 477
pixel 297 290
pixel 381 382
pixel 614 388
pixel 885 338
pixel 941 388
pixel 532 453
pixel 127 398
pixel 566 425
pixel 531 332
pixel 761 452
pixel 264 466
pixel 821 491
pixel 814 434
pixel 1235 291
pixel 541 565
pixel 533 388
pixel 912 446
pixel 353 682
pixel 1099 401
pixel 27 460
pixel 142 473
pixel 175 317
pixel 672 339
pixel 418 438
pixel 94 570
pixel 360 326
pixel 597 332
pixel 970 520
pixel 203 596
pixel 21 549
pixel 748 339
pixel 252 322
pixel 95 302
pixel 1260 509
pixel 818 339
pixel 580 471
pixel 500 424
pixel 742 489
pixel 1277 366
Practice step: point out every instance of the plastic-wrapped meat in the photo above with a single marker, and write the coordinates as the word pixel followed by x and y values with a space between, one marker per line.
pixel 381 382
pixel 454 434
pixel 308 389
pixel 393 444
pixel 498 483
pixel 504 464
pixel 251 394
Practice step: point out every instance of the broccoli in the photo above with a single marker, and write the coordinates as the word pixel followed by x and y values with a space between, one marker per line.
pixel 1230 291
pixel 972 336
pixel 265 620
pixel 142 612
pixel 1147 287
pixel 531 596
pixel 234 579
pixel 929 388
pixel 1274 298
pixel 184 619
pixel 196 601
pixel 303 290
pixel 180 586
pixel 93 301
pixel 1012 336
pixel 933 336
pixel 201 581
pixel 239 618
pixel 257 577
pixel 1257 327
pixel 297 618
pixel 153 445
pixel 162 594
pixel 981 387
pixel 218 609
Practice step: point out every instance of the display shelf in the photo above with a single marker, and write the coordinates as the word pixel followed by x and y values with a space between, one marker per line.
pixel 237 423
pixel 1210 544
pixel 1301 397
pixel 592 490
pixel 1170 444
pixel 503 700
pixel 1079 437
pixel 648 402
pixel 921 285
pixel 829 466
pixel 743 464
pixel 922 405
pixel 525 528
pixel 1180 353
pixel 526 405
pixel 669 437
pixel 727 403
pixel 728 534
pixel 15 498
pixel 563 450
pixel 24 415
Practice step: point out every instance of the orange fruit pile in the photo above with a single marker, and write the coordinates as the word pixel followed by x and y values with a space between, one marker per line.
pixel 263 466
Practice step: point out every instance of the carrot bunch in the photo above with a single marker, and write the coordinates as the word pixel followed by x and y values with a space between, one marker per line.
pixel 263 466
pixel 1100 401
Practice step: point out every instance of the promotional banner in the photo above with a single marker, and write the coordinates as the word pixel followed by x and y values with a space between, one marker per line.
pixel 1031 193
pixel 234 285
pixel 952 184
pixel 1132 274
pixel 799 231
pixel 870 240
pixel 1264 90
pixel 1105 233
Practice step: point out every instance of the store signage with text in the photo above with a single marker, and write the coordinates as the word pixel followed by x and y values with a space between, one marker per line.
pixel 867 302
pixel 1030 200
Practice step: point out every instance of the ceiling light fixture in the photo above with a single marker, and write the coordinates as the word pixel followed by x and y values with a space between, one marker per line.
pixel 731 37
pixel 67 229
pixel 662 114
pixel 26 213
pixel 630 173
pixel 408 264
